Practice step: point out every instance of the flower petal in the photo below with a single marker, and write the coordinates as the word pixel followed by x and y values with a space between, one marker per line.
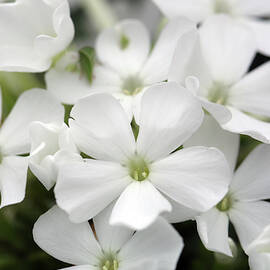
pixel 30 46
pixel 196 177
pixel 13 176
pixel 139 206
pixel 210 134
pixel 252 7
pixel 259 261
pixel 85 189
pixel 251 94
pixel 251 180
pixel 101 128
pixel 81 267
pixel 124 47
pixel 159 243
pixel 213 229
pixel 249 219
pixel 244 124
pixel 156 68
pixel 33 105
pixel 169 116
pixel 64 240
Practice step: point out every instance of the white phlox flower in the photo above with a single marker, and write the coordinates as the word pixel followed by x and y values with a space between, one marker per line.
pixel 219 55
pixel 246 12
pixel 244 203
pixel 127 65
pixel 47 29
pixel 51 146
pixel 106 247
pixel 259 251
pixel 33 105
pixel 143 176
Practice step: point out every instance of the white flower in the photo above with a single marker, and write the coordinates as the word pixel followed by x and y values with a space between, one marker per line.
pixel 32 32
pixel 219 56
pixel 245 12
pixel 106 247
pixel 127 67
pixel 51 146
pixel 259 251
pixel 33 105
pixel 244 204
pixel 143 176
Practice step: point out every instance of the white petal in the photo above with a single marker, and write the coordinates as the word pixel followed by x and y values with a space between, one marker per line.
pixel 259 261
pixel 101 128
pixel 82 267
pixel 249 219
pixel 159 243
pixel 1 104
pixel 169 115
pixel 13 176
pixel 213 229
pixel 64 240
pixel 110 238
pixel 244 124
pixel 210 134
pixel 252 7
pixel 33 105
pixel 139 206
pixel 196 177
pixel 196 10
pixel 156 68
pixel 252 93
pixel 251 180
pixel 85 189
pixel 228 47
pixel 261 30
pixel 129 59
pixel 47 29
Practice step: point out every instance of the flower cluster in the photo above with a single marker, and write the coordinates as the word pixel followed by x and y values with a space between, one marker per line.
pixel 153 133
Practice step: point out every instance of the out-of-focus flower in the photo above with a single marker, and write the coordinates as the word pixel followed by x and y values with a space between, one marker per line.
pixel 33 105
pixel 143 176
pixel 107 247
pixel 246 12
pixel 51 146
pixel 219 56
pixel 33 32
pixel 259 251
pixel 127 64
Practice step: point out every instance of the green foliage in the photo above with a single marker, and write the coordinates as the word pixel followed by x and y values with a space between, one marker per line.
pixel 87 62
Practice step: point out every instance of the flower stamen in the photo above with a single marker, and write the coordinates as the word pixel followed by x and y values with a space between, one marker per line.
pixel 132 86
pixel 138 169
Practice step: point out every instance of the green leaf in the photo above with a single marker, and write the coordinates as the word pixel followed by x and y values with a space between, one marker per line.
pixel 87 62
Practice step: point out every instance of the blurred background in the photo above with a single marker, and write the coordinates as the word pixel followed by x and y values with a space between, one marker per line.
pixel 17 249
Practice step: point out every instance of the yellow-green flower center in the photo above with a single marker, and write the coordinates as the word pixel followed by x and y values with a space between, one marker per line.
pixel 225 204
pixel 109 262
pixel 222 6
pixel 132 86
pixel 124 42
pixel 138 169
pixel 218 93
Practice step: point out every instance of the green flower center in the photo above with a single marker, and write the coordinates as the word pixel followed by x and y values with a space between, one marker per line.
pixel 225 204
pixel 124 42
pixel 132 86
pixel 138 169
pixel 218 93
pixel 109 262
pixel 222 6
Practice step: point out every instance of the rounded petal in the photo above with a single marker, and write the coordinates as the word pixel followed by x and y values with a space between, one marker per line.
pixel 228 48
pixel 159 243
pixel 213 229
pixel 13 176
pixel 30 46
pixel 249 220
pixel 252 93
pixel 101 128
pixel 169 115
pixel 196 177
pixel 139 206
pixel 244 124
pixel 156 68
pixel 252 7
pixel 210 134
pixel 124 47
pixel 251 180
pixel 83 189
pixel 110 237
pixel 64 240
pixel 33 105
